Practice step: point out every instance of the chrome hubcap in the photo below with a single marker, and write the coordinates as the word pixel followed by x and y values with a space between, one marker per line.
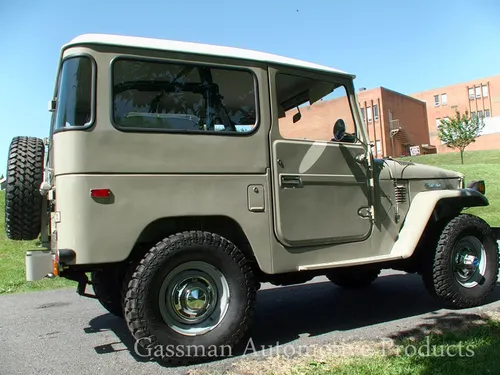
pixel 469 261
pixel 194 298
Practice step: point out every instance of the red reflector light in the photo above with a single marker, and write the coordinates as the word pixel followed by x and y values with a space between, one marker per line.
pixel 100 193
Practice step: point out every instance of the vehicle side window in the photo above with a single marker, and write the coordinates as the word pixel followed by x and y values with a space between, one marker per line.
pixel 309 109
pixel 160 96
pixel 74 94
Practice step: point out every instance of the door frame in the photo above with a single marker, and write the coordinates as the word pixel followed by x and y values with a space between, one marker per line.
pixel 361 133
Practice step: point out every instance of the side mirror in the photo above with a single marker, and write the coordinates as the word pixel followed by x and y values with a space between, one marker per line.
pixel 339 130
pixel 297 116
pixel 52 105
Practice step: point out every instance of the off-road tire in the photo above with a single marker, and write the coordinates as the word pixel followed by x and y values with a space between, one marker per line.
pixel 142 311
pixel 108 288
pixel 438 275
pixel 23 201
pixel 353 278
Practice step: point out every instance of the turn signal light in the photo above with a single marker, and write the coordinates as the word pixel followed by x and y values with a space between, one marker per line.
pixel 100 193
pixel 478 185
pixel 55 267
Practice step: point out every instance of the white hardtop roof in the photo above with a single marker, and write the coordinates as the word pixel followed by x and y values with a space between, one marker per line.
pixel 198 48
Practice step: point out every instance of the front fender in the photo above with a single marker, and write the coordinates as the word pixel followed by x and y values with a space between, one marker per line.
pixel 468 198
pixel 423 206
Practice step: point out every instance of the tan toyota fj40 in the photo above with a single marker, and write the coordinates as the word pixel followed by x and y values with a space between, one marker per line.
pixel 180 176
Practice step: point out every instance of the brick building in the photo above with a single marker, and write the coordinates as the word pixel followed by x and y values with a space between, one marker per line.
pixel 480 97
pixel 394 121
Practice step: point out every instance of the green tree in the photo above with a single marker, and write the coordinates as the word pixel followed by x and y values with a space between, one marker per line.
pixel 460 131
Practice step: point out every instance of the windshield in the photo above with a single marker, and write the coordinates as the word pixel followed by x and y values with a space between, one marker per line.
pixel 74 93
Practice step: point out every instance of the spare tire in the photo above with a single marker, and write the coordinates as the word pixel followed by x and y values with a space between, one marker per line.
pixel 23 201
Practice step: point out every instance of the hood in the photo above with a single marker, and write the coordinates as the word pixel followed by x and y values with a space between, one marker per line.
pixel 387 168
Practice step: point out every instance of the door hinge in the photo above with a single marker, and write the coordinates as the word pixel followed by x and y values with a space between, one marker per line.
pixel 372 212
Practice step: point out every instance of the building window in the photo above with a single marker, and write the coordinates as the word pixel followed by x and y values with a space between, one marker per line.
pixel 363 114
pixel 480 114
pixel 485 91
pixel 444 99
pixel 375 112
pixel 438 123
pixel 369 113
pixel 487 113
pixel 436 100
pixel 478 92
pixel 471 92
pixel 378 147
pixel 473 115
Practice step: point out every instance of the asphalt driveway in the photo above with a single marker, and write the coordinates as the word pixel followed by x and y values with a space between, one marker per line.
pixel 59 332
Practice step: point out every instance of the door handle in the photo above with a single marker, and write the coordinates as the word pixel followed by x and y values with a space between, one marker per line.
pixel 293 182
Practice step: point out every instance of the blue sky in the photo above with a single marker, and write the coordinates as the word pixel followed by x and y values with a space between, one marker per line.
pixel 407 46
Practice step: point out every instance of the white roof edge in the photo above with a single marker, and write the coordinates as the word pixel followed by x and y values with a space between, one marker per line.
pixel 197 48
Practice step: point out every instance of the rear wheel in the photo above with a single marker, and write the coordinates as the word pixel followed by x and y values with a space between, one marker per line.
pixel 23 201
pixel 353 278
pixel 464 266
pixel 190 298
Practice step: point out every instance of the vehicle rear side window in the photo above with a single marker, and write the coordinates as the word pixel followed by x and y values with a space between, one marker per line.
pixel 74 94
pixel 159 96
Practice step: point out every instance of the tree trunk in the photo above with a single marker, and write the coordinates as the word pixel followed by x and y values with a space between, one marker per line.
pixel 462 155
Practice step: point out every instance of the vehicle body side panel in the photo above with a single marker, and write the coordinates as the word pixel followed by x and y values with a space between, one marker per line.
pixel 106 230
pixel 101 231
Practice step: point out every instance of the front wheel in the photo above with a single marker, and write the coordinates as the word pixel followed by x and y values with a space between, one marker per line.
pixel 464 267
pixel 190 298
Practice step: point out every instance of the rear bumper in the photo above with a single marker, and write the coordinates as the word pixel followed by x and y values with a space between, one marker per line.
pixel 40 264
pixel 46 263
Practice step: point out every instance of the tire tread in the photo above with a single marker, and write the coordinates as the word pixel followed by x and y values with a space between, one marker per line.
pixel 169 247
pixel 437 278
pixel 23 201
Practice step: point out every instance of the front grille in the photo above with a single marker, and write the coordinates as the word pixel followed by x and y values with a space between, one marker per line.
pixel 400 193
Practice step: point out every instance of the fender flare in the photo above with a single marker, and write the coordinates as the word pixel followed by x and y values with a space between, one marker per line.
pixel 423 207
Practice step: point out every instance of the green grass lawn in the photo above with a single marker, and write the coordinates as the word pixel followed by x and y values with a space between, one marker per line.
pixel 471 350
pixel 479 355
pixel 12 270
pixel 478 165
